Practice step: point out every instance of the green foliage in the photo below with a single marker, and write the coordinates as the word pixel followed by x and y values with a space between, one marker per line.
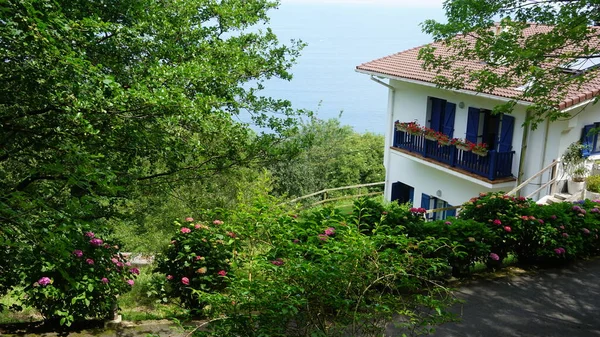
pixel 76 276
pixel 468 242
pixel 318 274
pixel 108 110
pixel 333 156
pixel 573 161
pixel 502 213
pixel 510 60
pixel 198 257
pixel 593 183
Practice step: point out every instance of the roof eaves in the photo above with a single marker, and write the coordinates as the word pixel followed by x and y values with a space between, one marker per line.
pixel 433 85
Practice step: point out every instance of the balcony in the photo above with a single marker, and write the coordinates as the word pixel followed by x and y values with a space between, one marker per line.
pixel 493 167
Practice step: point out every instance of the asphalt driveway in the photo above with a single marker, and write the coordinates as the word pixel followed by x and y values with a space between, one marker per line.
pixel 553 302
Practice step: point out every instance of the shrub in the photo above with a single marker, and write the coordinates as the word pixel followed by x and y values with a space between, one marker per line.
pixel 503 214
pixel 468 242
pixel 199 258
pixel 76 275
pixel 319 274
pixel 593 183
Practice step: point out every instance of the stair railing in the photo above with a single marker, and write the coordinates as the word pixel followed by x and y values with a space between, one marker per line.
pixel 552 169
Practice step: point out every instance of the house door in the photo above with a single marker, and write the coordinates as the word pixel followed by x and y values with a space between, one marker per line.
pixel 402 193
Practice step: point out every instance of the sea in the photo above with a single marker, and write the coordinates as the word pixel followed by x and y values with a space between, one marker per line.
pixel 341 35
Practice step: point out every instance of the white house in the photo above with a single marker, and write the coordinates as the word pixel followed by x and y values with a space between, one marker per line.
pixel 434 176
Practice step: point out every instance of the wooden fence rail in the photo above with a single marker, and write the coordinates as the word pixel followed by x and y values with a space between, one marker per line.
pixel 326 191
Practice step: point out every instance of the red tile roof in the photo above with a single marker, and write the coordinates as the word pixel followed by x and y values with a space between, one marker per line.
pixel 406 65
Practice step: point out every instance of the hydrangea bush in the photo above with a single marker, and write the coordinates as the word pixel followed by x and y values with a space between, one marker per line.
pixel 198 257
pixel 76 275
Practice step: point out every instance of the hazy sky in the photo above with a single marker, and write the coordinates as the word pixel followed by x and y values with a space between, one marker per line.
pixel 395 3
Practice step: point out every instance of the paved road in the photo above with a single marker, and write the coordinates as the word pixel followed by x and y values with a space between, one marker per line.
pixel 558 302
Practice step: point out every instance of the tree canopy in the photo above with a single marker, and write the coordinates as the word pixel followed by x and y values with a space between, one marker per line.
pixel 535 62
pixel 101 97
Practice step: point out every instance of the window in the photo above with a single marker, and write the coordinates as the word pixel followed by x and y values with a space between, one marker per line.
pixel 440 116
pixel 589 139
pixel 402 193
pixel 431 202
pixel 495 130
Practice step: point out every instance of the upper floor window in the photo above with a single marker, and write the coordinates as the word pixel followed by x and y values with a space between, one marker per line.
pixel 440 116
pixel 495 130
pixel 589 139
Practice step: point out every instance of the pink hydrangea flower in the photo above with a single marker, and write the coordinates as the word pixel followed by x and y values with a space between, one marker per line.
pixel 128 264
pixel 231 234
pixel 185 281
pixel 278 262
pixel 323 237
pixel 541 221
pixel 222 273
pixel 524 217
pixel 131 282
pixel 507 229
pixel 89 261
pixel 586 231
pixel 497 222
pixel 169 277
pixel 531 217
pixel 553 217
pixel 104 280
pixel 189 219
pixel 198 257
pixel 78 253
pixel 494 256
pixel 96 242
pixel 330 231
pixel 89 234
pixel 218 222
pixel 448 223
pixel 120 264
pixel 185 230
pixel 565 235
pixel 114 260
pixel 44 281
pixel 561 227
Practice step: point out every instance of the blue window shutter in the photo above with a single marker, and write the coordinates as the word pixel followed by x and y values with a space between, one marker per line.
pixel 425 199
pixel 472 125
pixel 506 133
pixel 449 114
pixel 451 212
pixel 436 113
pixel 587 140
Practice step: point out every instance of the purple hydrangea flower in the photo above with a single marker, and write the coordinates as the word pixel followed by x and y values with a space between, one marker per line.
pixel 494 256
pixel 96 242
pixel 134 271
pixel 78 253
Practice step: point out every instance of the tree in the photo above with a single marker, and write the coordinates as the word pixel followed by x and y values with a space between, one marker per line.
pixel 103 99
pixel 334 156
pixel 511 59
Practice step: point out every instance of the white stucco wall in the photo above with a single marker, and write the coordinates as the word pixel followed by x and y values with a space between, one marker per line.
pixel 409 102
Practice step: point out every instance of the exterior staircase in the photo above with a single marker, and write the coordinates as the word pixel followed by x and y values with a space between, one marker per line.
pixel 558 197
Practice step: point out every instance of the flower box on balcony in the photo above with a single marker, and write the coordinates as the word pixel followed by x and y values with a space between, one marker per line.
pixel 464 148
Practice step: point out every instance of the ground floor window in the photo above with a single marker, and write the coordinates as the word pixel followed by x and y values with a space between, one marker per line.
pixel 402 193
pixel 430 202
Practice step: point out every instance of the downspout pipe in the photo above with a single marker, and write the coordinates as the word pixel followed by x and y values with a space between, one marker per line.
pixel 523 155
pixel 386 151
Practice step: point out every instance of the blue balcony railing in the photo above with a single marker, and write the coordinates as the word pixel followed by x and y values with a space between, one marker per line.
pixel 493 166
